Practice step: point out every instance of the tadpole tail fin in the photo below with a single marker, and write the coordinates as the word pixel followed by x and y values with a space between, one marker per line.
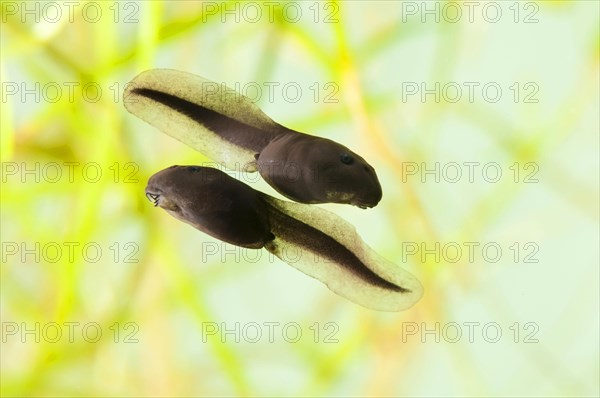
pixel 328 248
pixel 209 117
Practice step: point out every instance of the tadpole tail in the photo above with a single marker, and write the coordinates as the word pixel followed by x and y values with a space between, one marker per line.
pixel 208 116
pixel 326 247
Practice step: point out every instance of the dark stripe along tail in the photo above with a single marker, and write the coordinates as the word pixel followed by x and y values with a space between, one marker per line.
pixel 326 247
pixel 215 120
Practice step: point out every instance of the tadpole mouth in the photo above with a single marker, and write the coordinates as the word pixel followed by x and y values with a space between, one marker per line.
pixel 162 200
pixel 369 200
pixel 364 205
pixel 153 197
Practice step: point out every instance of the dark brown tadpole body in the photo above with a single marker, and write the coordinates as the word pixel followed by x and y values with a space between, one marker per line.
pixel 313 240
pixel 317 170
pixel 228 128
pixel 212 202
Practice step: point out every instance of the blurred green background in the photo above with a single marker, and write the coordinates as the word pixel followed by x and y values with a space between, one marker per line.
pixel 104 295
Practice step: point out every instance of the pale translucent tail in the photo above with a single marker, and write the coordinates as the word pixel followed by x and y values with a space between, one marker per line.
pixel 324 246
pixel 209 117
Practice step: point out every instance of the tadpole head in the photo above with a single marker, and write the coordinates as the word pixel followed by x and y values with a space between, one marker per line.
pixel 348 178
pixel 368 189
pixel 162 189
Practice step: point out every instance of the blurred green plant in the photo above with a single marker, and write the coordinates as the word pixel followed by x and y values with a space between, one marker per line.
pixel 168 296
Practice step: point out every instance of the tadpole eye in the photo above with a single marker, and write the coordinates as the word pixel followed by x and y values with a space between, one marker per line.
pixel 194 169
pixel 346 159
